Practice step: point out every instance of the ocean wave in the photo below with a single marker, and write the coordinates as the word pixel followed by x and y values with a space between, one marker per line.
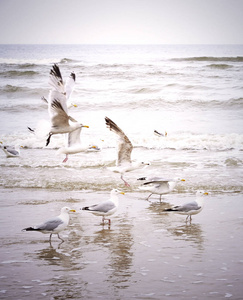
pixel 210 59
pixel 17 73
pixel 22 91
pixel 220 66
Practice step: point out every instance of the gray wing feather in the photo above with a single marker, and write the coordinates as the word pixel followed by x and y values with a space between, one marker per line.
pixel 74 137
pixel 50 225
pixel 125 146
pixel 187 207
pixel 102 207
pixel 12 151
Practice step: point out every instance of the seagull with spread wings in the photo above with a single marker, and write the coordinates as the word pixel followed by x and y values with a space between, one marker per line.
pixel 124 163
pixel 61 122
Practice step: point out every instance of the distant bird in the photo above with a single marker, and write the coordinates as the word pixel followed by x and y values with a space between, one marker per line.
pixel 11 151
pixel 158 185
pixel 125 147
pixel 54 225
pixel 159 134
pixel 61 122
pixel 190 208
pixel 106 208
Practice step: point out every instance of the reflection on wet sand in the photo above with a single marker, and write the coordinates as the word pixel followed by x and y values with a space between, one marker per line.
pixel 119 242
pixel 189 232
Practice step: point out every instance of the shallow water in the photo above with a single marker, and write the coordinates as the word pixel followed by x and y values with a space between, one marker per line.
pixel 145 254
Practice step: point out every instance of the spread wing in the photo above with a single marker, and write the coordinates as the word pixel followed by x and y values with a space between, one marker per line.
pixel 58 115
pixel 74 137
pixel 69 86
pixel 124 144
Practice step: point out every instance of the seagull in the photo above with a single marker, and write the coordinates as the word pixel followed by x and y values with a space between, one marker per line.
pixel 105 208
pixel 11 151
pixel 67 88
pixel 159 134
pixel 190 208
pixel 61 122
pixel 158 185
pixel 74 144
pixel 123 163
pixel 54 225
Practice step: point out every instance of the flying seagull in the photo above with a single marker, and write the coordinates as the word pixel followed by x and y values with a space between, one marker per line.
pixel 123 163
pixel 74 144
pixel 54 225
pixel 61 122
pixel 105 208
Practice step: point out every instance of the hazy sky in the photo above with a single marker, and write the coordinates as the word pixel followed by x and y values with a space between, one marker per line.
pixel 121 21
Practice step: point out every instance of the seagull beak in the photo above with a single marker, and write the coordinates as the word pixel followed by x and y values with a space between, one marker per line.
pixel 165 133
pixel 122 193
pixel 183 179
pixel 205 193
pixel 86 126
pixel 72 210
pixel 75 105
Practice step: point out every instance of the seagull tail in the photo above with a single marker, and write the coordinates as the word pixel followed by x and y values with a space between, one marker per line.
pixel 86 208
pixel 29 229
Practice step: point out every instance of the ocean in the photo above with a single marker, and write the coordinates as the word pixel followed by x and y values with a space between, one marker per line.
pixel 194 93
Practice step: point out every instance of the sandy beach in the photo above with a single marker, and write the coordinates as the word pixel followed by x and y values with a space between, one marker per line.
pixel 145 254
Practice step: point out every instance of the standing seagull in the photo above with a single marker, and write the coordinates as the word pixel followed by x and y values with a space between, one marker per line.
pixel 157 185
pixel 61 122
pixel 190 208
pixel 54 225
pixel 105 208
pixel 123 163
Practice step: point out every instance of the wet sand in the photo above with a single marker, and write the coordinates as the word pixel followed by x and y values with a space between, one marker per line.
pixel 145 254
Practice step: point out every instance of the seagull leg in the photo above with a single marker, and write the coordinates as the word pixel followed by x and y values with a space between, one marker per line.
pixel 65 159
pixel 48 139
pixel 60 238
pixel 149 196
pixel 50 238
pixel 126 183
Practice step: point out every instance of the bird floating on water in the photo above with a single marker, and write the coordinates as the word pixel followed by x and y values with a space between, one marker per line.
pixel 53 225
pixel 123 163
pixel 11 151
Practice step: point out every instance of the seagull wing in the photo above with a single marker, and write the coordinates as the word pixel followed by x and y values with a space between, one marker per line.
pixel 12 151
pixel 187 207
pixel 124 144
pixel 50 225
pixel 74 137
pixel 103 207
pixel 59 117
pixel 69 85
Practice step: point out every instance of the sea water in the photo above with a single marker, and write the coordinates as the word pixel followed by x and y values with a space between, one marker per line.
pixel 192 92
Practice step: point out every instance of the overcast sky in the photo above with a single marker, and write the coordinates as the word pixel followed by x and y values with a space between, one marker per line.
pixel 121 21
